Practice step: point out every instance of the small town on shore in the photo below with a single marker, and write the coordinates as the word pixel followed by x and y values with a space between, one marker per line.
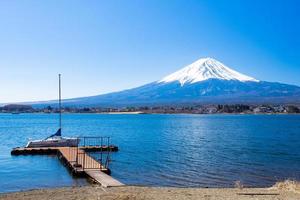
pixel 191 109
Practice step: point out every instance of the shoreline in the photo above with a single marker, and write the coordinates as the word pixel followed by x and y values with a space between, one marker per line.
pixel 123 113
pixel 141 192
pixel 157 113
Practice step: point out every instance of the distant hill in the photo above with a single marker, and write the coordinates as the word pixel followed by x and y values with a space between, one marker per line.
pixel 16 108
pixel 206 81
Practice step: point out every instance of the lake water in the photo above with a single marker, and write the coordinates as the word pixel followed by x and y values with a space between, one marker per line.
pixel 160 150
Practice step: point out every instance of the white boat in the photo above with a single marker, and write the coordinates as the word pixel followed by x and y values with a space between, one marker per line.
pixel 55 140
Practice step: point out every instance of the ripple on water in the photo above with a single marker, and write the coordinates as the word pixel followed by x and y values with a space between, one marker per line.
pixel 161 150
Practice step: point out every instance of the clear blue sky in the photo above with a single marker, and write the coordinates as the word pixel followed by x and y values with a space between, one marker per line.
pixel 104 46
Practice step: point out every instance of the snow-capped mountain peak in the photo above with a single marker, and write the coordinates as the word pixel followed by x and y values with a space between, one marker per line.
pixel 204 69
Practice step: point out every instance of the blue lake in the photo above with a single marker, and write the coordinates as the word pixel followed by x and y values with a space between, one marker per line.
pixel 160 150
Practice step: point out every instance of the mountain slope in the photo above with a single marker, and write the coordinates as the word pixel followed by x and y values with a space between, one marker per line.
pixel 205 81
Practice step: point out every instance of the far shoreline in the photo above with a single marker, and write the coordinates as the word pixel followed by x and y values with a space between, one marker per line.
pixel 154 113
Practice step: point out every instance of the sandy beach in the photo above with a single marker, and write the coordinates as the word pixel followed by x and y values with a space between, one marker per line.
pixel 134 192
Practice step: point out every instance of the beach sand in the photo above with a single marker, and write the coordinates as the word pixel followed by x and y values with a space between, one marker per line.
pixel 133 192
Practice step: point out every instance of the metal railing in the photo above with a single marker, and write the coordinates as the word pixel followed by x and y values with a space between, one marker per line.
pixel 97 158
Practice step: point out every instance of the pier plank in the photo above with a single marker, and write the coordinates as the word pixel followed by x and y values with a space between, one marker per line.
pixel 83 159
pixel 104 179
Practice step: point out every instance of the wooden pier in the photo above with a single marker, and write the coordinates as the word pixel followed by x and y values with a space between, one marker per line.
pixel 54 150
pixel 104 179
pixel 79 161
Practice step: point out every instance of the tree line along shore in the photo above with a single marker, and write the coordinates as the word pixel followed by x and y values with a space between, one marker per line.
pixel 191 109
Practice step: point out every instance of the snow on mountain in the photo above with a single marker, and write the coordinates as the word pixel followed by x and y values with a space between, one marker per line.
pixel 204 69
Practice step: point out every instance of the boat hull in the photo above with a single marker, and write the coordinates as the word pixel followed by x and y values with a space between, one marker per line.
pixel 73 142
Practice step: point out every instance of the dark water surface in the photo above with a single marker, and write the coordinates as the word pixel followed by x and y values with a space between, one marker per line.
pixel 160 150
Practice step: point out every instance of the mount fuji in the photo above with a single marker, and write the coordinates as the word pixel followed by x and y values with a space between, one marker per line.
pixel 206 81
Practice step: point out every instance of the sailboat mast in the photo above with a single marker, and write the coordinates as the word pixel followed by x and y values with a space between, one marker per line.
pixel 59 101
